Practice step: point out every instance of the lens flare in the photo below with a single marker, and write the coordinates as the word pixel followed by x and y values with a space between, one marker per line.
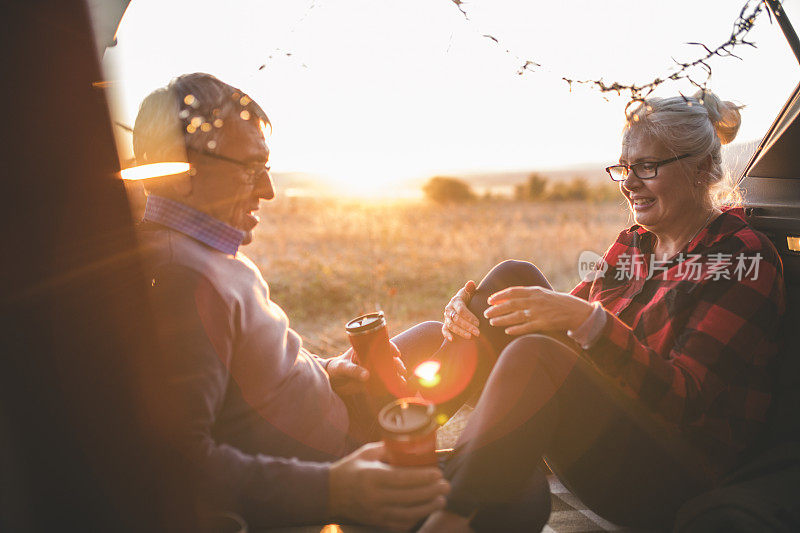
pixel 154 170
pixel 428 373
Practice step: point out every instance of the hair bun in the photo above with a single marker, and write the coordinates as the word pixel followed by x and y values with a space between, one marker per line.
pixel 724 115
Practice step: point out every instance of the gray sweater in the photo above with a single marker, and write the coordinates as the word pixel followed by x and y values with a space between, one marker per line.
pixel 259 418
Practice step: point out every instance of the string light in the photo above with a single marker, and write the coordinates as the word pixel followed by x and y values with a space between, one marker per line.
pixel 741 27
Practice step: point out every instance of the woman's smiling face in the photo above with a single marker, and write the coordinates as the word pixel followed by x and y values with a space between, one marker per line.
pixel 659 204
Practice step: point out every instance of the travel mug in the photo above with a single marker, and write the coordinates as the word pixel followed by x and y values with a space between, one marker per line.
pixel 374 351
pixel 409 432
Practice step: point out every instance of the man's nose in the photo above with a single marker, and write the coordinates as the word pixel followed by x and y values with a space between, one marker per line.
pixel 264 187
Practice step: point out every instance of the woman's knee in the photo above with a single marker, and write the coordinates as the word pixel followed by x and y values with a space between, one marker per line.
pixel 510 273
pixel 429 326
pixel 513 272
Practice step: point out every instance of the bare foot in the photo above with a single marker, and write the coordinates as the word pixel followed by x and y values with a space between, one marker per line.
pixel 445 521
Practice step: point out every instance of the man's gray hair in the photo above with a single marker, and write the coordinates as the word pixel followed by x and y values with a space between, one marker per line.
pixel 189 114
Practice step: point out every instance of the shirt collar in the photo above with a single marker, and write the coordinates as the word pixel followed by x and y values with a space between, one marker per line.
pixel 194 223
pixel 729 222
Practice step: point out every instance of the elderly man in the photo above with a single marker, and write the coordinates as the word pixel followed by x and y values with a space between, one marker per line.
pixel 263 430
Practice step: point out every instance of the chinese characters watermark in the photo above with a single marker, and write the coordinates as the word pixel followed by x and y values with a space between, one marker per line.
pixel 693 267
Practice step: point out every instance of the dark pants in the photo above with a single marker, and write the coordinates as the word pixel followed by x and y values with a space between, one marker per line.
pixel 761 495
pixel 543 399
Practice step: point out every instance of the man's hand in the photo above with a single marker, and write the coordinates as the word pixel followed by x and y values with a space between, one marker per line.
pixel 364 489
pixel 347 377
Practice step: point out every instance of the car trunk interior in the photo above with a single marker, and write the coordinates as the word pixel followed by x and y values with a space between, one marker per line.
pixel 771 186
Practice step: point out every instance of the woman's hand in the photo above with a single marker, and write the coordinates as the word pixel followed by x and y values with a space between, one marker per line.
pixel 457 318
pixel 530 309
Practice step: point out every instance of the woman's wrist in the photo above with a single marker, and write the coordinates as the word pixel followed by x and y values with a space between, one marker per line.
pixel 590 330
pixel 583 310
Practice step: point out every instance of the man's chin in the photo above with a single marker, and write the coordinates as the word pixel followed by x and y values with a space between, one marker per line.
pixel 248 237
pixel 247 224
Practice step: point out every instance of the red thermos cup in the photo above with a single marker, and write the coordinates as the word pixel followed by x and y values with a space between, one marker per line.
pixel 409 432
pixel 369 337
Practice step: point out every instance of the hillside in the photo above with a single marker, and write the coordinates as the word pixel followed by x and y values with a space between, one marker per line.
pixel 735 159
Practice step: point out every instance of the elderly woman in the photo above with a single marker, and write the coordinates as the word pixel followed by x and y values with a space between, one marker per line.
pixel 651 378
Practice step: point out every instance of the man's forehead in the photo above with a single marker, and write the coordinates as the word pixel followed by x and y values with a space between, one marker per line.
pixel 244 140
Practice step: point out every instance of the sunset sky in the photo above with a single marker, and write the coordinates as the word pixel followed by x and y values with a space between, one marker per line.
pixel 376 91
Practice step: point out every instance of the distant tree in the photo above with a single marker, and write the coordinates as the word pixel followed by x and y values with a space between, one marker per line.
pixel 533 189
pixel 537 188
pixel 606 193
pixel 443 189
pixel 575 189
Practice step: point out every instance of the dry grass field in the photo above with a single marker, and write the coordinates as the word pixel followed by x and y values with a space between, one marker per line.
pixel 327 261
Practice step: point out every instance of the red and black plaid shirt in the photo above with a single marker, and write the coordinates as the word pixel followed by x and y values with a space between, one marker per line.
pixel 694 338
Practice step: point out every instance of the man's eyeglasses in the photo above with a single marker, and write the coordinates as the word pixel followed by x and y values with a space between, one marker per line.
pixel 644 171
pixel 252 170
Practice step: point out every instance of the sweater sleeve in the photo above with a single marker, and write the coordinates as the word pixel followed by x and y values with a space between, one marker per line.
pixel 323 361
pixel 197 330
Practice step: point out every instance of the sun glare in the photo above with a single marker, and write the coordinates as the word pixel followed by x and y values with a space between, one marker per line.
pixel 366 185
pixel 428 373
pixel 153 170
pixel 356 185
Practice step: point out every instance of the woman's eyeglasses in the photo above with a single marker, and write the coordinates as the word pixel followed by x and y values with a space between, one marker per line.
pixel 644 171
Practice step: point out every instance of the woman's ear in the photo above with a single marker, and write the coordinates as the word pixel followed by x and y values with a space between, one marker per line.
pixel 704 167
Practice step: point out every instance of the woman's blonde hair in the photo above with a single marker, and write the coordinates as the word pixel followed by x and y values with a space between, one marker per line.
pixel 696 125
